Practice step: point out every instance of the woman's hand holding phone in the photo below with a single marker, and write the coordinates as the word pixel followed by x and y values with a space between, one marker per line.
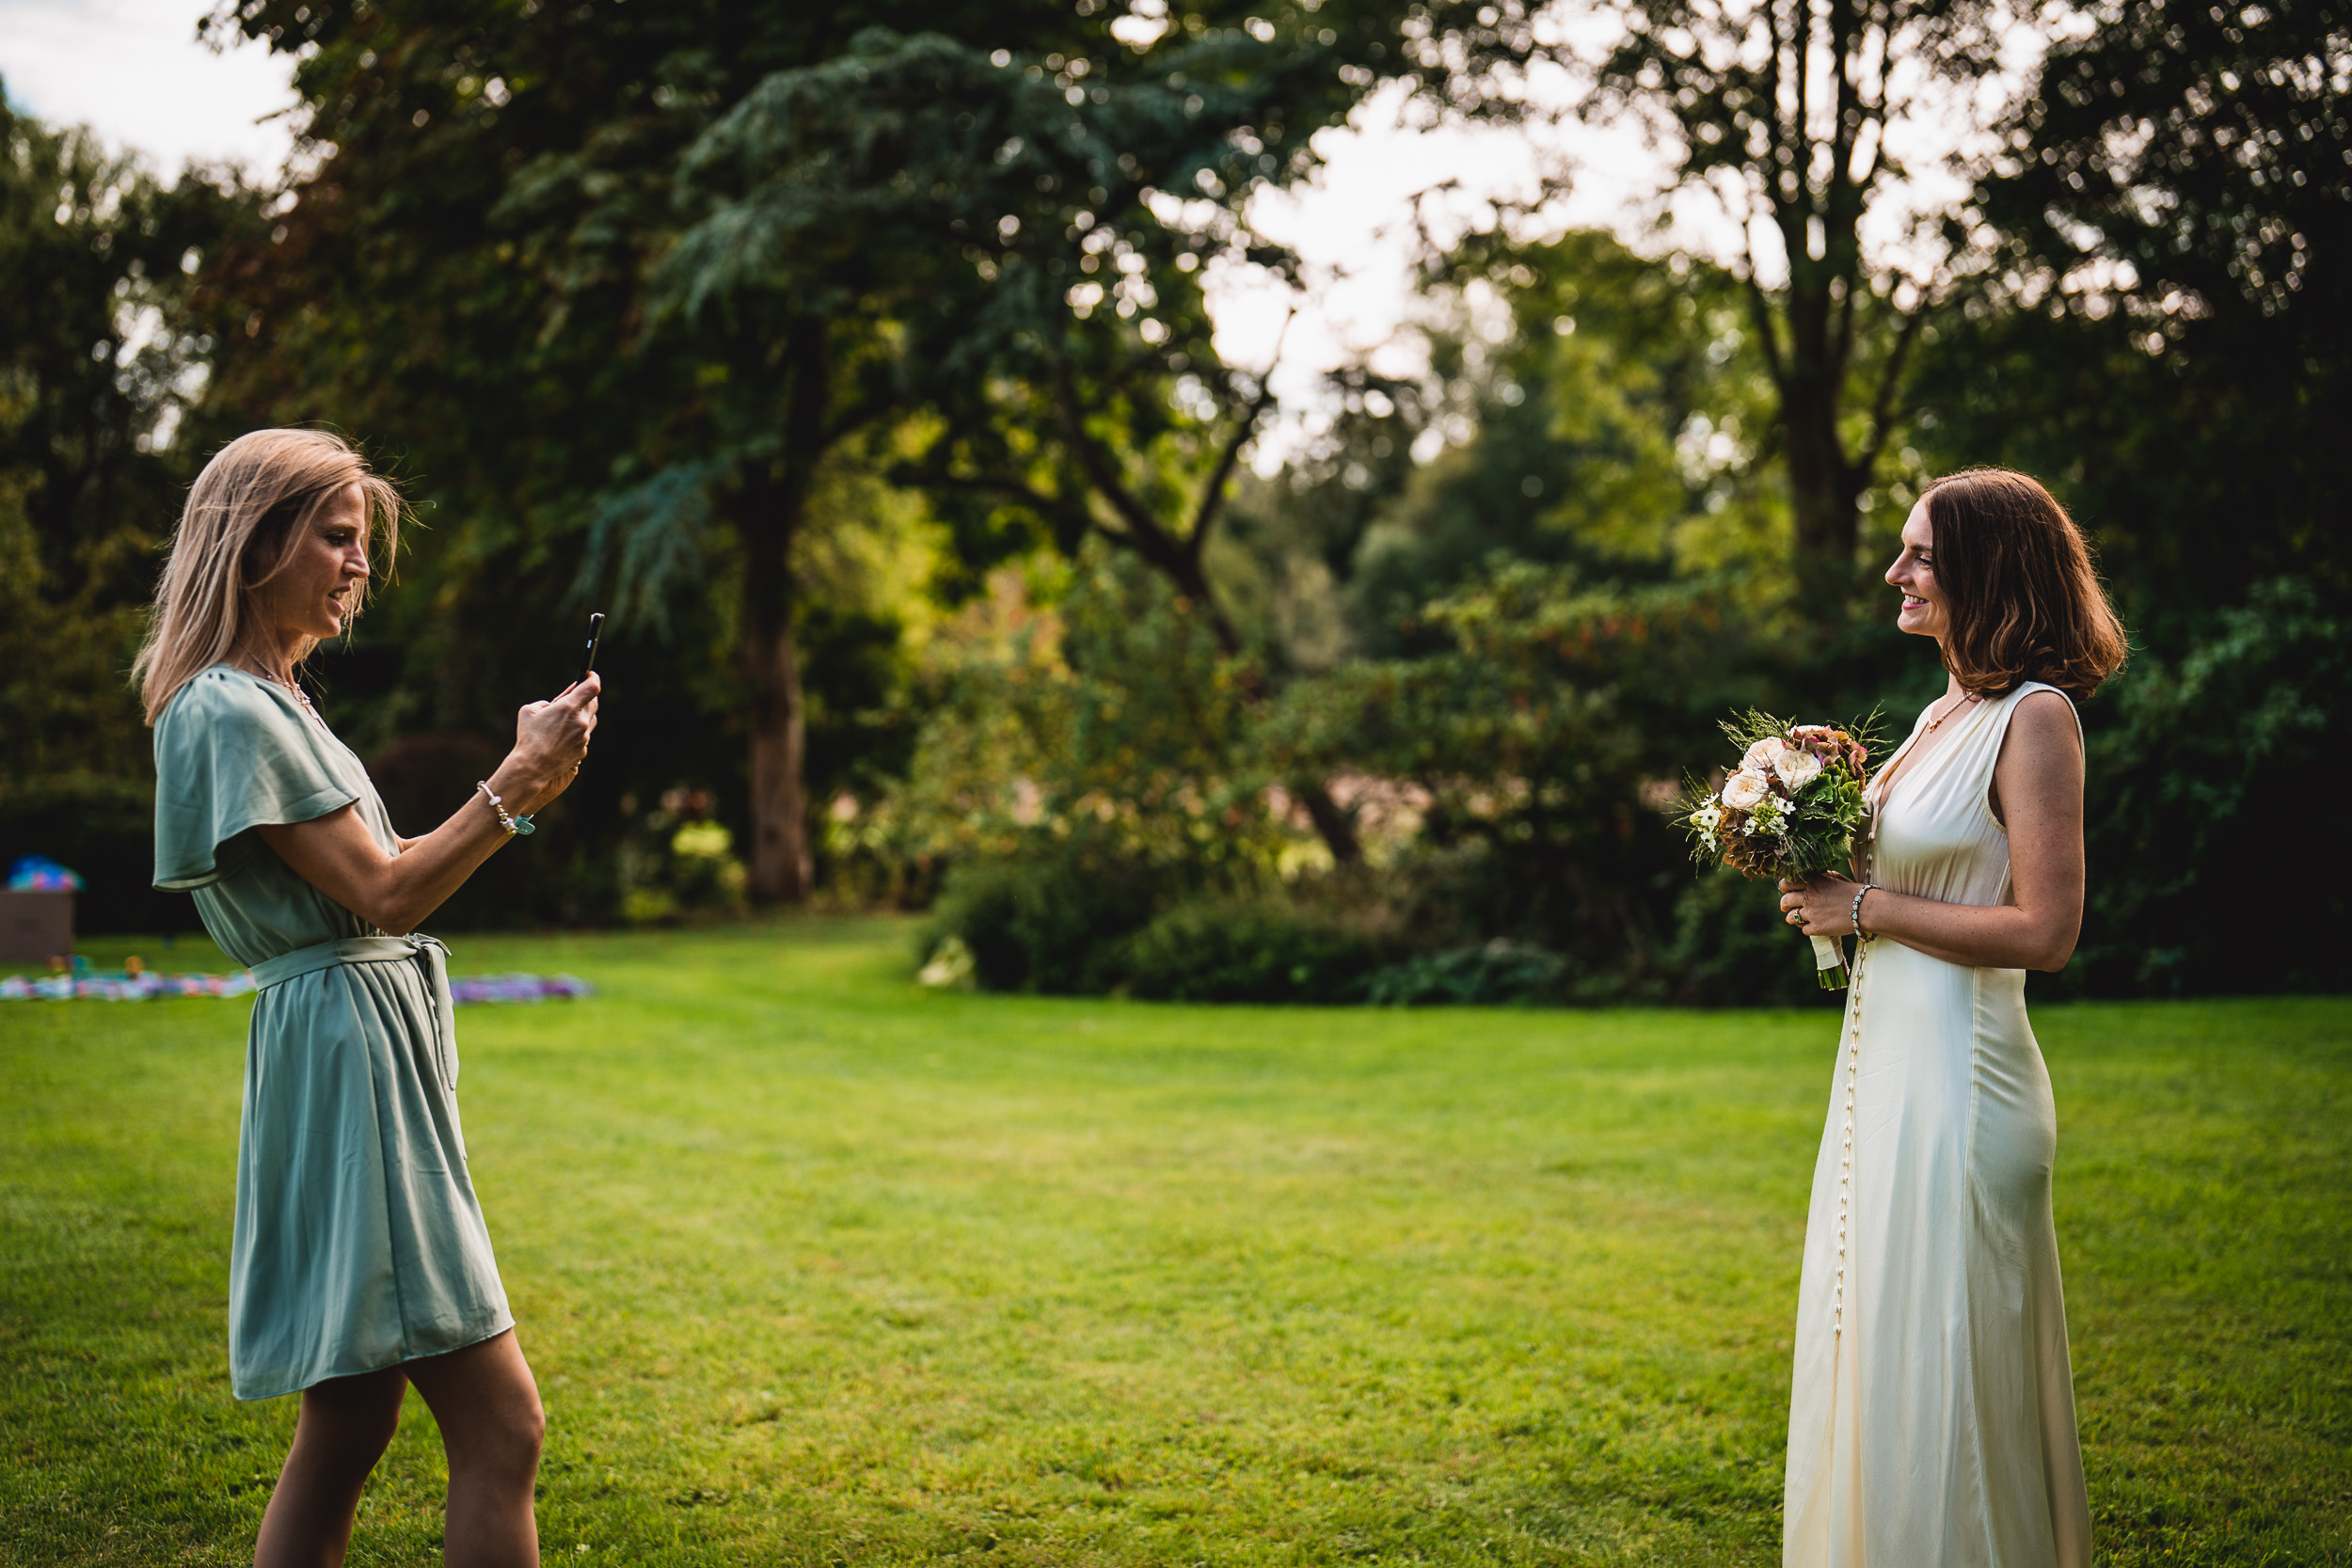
pixel 550 742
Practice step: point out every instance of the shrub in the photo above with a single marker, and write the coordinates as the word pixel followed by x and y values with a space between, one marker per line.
pixel 1241 951
pixel 2202 767
pixel 1500 973
pixel 678 864
pixel 1537 727
pixel 1044 919
pixel 1732 948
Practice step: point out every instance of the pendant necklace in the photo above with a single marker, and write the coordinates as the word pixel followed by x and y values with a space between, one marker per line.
pixel 296 689
pixel 1966 698
pixel 1875 792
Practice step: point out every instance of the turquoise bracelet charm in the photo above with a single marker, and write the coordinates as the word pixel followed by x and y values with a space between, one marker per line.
pixel 513 825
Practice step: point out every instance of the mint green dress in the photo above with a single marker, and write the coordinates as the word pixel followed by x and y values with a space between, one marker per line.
pixel 358 1241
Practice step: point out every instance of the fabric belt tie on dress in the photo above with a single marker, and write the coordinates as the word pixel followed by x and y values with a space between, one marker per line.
pixel 426 953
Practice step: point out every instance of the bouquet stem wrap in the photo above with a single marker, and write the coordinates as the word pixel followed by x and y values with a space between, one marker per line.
pixel 1829 962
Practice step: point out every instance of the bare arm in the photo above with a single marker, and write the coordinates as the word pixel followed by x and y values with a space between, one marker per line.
pixel 2038 792
pixel 336 854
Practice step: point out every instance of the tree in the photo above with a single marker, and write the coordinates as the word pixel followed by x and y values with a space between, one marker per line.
pixel 1616 428
pixel 481 265
pixel 467 275
pixel 1782 109
pixel 2177 207
pixel 2166 344
pixel 105 344
pixel 1036 227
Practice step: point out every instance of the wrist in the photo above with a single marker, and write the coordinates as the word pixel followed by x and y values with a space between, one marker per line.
pixel 1862 894
pixel 519 786
pixel 508 802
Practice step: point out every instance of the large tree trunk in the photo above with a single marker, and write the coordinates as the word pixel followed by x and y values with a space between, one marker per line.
pixel 1821 495
pixel 782 870
pixel 1821 481
pixel 1810 398
pixel 771 500
pixel 780 861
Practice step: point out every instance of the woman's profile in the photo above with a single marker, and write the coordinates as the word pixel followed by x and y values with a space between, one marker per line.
pixel 360 1262
pixel 1932 1420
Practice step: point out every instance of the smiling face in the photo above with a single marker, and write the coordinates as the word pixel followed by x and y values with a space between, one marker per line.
pixel 325 571
pixel 1926 612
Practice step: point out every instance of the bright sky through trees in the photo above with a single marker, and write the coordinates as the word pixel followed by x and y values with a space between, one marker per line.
pixel 135 72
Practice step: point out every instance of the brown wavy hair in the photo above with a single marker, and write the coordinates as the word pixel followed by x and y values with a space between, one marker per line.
pixel 2026 604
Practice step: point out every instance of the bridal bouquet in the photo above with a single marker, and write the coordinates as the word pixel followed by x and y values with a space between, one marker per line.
pixel 1791 809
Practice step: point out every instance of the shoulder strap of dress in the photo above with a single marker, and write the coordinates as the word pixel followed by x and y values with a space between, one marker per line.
pixel 1995 734
pixel 2009 705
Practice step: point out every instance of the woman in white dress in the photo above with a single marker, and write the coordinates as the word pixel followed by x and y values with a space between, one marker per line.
pixel 1931 1422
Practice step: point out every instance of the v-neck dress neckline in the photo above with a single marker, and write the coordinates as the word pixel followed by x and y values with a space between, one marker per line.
pixel 1881 796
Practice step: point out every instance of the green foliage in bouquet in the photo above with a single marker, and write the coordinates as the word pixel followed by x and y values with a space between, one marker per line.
pixel 1793 806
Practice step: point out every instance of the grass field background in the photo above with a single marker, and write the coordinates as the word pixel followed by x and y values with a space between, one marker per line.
pixel 815 1268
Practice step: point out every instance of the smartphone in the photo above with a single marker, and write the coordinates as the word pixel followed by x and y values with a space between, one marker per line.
pixel 596 635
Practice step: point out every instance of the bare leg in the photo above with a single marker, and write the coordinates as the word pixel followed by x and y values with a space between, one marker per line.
pixel 342 1431
pixel 492 1426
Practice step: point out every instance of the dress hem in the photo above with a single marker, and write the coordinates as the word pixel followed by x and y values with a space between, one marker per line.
pixel 504 1321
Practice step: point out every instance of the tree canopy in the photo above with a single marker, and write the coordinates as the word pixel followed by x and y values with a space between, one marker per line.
pixel 862 362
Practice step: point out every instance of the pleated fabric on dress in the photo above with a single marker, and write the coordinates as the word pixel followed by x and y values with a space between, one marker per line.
pixel 358 1243
pixel 1932 1421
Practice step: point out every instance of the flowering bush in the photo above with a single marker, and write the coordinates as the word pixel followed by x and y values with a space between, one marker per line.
pixel 679 864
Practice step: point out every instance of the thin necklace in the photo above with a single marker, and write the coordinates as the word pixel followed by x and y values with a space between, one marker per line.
pixel 1966 698
pixel 1876 793
pixel 295 686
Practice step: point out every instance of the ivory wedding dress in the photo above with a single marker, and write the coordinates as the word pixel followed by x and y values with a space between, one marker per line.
pixel 1933 1418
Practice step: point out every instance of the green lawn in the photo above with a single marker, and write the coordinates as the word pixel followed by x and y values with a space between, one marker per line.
pixel 815 1268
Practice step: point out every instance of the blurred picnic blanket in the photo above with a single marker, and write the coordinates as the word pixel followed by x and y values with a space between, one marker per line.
pixel 148 986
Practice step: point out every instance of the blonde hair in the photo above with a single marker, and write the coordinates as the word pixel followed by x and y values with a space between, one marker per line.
pixel 246 507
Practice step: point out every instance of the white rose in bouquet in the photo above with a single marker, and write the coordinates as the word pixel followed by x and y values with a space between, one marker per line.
pixel 1797 768
pixel 1763 754
pixel 1744 789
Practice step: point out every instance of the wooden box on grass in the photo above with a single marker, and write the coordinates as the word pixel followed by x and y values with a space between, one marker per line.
pixel 35 927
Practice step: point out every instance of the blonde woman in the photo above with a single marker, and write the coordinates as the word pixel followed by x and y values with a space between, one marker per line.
pixel 360 1262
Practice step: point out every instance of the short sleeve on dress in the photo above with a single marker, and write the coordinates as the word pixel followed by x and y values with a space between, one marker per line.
pixel 231 754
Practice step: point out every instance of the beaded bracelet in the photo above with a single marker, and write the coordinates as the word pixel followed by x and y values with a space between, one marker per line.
pixel 512 824
pixel 1866 888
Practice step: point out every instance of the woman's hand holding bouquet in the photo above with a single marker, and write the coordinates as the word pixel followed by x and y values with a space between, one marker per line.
pixel 1791 809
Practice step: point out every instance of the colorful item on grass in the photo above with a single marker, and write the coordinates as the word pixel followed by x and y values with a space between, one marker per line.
pixel 517 987
pixel 40 874
pixel 123 985
pixel 146 986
